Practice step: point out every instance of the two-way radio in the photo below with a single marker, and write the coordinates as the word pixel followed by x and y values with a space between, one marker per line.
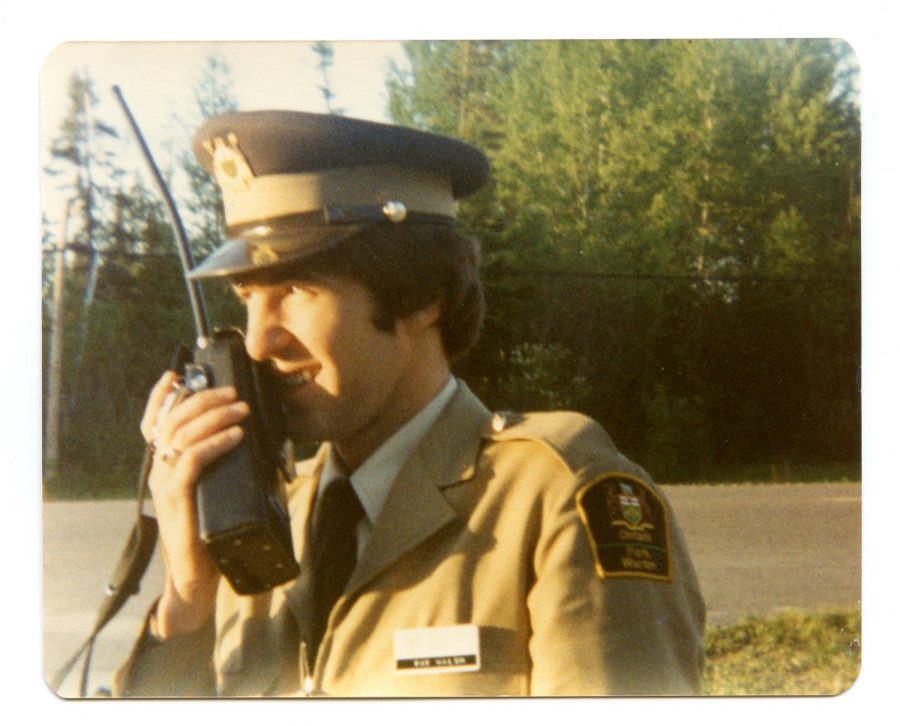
pixel 243 522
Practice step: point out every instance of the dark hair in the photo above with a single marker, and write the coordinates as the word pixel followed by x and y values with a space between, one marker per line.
pixel 407 268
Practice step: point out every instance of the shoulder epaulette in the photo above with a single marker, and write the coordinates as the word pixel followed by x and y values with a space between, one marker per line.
pixel 575 438
pixel 624 517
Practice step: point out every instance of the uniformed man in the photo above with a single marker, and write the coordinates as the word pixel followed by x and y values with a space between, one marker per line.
pixel 484 554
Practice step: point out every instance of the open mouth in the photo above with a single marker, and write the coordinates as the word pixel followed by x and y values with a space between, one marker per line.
pixel 298 379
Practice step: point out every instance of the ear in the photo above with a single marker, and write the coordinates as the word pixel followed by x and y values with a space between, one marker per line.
pixel 421 320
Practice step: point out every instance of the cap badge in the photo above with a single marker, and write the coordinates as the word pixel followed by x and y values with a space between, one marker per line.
pixel 229 164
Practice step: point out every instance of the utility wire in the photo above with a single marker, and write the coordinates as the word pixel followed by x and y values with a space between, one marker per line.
pixel 536 273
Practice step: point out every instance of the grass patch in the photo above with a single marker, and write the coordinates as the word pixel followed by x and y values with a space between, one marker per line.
pixel 82 484
pixel 792 653
pixel 771 473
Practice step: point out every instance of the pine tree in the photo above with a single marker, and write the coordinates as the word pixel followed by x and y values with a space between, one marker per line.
pixel 81 161
pixel 203 211
pixel 678 219
pixel 325 52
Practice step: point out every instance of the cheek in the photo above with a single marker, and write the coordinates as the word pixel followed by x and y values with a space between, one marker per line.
pixel 316 326
pixel 368 360
pixel 338 331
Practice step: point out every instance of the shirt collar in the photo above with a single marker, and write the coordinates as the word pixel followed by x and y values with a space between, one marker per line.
pixel 373 479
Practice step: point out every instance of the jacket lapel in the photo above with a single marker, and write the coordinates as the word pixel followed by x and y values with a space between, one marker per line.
pixel 415 508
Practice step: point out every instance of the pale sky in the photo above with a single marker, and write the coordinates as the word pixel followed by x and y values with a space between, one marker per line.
pixel 158 81
pixel 159 77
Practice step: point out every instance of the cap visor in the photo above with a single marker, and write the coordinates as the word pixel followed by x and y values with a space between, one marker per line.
pixel 238 257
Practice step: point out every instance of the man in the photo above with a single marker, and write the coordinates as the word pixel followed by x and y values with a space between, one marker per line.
pixel 485 554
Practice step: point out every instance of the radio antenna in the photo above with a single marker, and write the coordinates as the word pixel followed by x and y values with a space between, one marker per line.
pixel 195 294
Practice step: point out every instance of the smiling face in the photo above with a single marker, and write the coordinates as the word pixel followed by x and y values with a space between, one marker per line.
pixel 343 379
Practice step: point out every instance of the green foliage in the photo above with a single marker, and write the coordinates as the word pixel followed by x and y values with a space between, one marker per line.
pixel 203 208
pixel 793 653
pixel 670 244
pixel 126 342
pixel 541 377
pixel 677 431
pixel 75 483
pixel 119 338
pixel 325 53
pixel 683 218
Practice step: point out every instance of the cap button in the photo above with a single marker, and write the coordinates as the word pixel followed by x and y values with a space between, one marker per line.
pixel 394 211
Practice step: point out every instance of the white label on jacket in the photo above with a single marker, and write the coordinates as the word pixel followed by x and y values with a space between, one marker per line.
pixel 449 649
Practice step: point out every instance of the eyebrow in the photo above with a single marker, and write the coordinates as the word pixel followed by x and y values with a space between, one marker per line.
pixel 275 279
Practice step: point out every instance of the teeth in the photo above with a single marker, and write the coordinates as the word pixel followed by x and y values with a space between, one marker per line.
pixel 301 378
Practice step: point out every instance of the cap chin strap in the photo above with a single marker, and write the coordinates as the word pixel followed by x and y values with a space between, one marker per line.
pixel 293 226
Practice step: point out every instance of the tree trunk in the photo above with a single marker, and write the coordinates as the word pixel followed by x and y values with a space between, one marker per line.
pixel 54 383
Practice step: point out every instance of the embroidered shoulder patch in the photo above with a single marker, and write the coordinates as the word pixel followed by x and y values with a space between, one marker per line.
pixel 627 526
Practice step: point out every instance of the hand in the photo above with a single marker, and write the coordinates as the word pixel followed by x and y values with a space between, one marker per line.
pixel 187 437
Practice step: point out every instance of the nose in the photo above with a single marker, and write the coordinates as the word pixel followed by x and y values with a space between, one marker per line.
pixel 266 338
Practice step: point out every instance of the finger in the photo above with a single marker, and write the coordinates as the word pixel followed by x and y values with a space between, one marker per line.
pixel 172 482
pixel 193 407
pixel 207 424
pixel 155 401
pixel 198 456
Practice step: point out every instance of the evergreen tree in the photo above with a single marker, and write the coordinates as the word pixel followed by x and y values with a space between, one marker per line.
pixel 81 163
pixel 325 53
pixel 81 160
pixel 138 312
pixel 203 210
pixel 679 220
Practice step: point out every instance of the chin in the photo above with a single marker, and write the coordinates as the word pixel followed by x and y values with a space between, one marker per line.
pixel 308 428
pixel 302 434
pixel 304 449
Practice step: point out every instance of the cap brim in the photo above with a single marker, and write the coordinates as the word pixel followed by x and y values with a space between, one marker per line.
pixel 240 257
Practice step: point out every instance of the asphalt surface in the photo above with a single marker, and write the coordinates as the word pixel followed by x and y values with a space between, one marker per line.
pixel 757 549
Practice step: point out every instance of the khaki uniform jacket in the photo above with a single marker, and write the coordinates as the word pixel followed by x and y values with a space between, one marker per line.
pixel 482 527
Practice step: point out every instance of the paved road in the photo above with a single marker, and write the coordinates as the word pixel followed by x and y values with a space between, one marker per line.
pixel 761 548
pixel 757 549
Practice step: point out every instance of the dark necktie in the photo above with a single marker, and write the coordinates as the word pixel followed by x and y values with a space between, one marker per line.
pixel 334 552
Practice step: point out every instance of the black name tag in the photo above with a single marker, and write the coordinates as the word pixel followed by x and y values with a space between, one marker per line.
pixel 453 661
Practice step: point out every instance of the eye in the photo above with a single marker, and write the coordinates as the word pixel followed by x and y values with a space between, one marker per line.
pixel 242 291
pixel 300 289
